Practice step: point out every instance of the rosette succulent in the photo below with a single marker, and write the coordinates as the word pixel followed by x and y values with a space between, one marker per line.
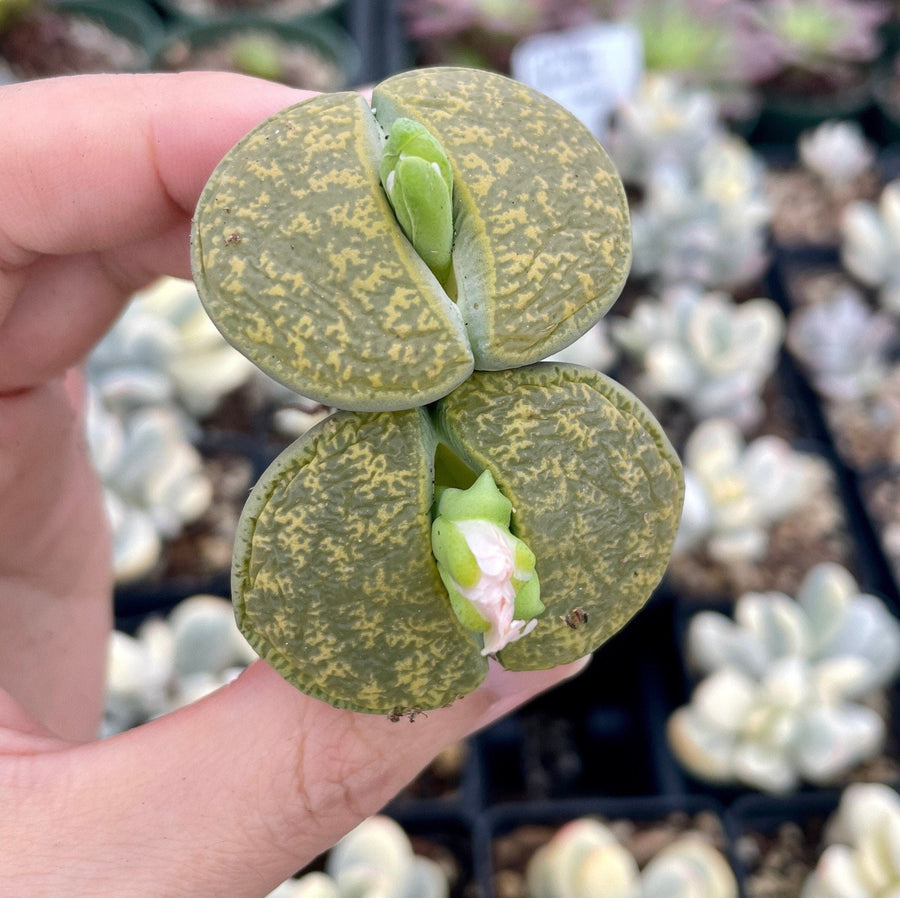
pixel 395 547
pixel 735 491
pixel 374 859
pixel 837 152
pixel 782 699
pixel 705 224
pixel 870 248
pixel 172 661
pixel 843 345
pixel 704 350
pixel 584 858
pixel 861 860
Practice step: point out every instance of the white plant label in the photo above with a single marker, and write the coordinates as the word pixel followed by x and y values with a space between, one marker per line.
pixel 590 69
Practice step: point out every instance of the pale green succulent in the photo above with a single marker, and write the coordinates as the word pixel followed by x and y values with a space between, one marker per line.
pixel 584 859
pixel 161 366
pixel 870 248
pixel 153 478
pixel 782 701
pixel 837 152
pixel 735 491
pixel 416 175
pixel 306 266
pixel 704 223
pixel 704 350
pixel 375 860
pixel 862 859
pixel 172 661
pixel 843 345
pixel 664 123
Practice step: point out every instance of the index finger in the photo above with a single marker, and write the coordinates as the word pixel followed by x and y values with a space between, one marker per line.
pixel 98 179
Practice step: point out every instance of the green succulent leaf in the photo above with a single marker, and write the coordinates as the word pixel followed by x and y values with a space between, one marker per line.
pixel 334 580
pixel 303 264
pixel 418 181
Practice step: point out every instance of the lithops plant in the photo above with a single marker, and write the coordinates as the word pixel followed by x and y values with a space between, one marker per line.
pixel 782 701
pixel 374 859
pixel 704 350
pixel 393 549
pixel 352 500
pixel 861 860
pixel 870 248
pixel 584 859
pixel 303 265
pixel 735 491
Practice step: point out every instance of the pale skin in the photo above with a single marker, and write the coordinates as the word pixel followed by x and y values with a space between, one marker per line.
pixel 98 179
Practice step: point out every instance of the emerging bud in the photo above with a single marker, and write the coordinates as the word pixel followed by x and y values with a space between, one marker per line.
pixel 488 572
pixel 417 178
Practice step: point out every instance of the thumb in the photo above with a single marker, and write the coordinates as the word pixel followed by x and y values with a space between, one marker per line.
pixel 233 794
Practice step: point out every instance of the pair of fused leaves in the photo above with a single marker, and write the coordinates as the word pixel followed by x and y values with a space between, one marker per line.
pixel 302 264
pixel 299 259
pixel 334 580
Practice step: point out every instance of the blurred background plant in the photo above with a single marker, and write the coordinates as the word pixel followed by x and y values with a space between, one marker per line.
pixel 735 491
pixel 862 835
pixel 157 373
pixel 376 859
pixel 703 350
pixel 585 858
pixel 786 680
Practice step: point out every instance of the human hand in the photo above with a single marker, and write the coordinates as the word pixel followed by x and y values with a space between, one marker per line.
pixel 98 180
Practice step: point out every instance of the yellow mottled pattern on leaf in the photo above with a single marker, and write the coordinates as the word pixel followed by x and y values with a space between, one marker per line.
pixel 300 262
pixel 543 240
pixel 596 491
pixel 334 582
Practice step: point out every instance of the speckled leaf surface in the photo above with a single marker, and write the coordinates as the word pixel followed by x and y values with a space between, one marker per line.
pixel 334 583
pixel 596 490
pixel 301 264
pixel 543 239
pixel 334 580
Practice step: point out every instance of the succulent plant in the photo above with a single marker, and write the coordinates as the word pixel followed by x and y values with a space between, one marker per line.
pixel 307 303
pixel 861 860
pixel 153 480
pixel 594 349
pixel 703 350
pixel 664 123
pixel 374 859
pixel 837 152
pixel 782 699
pixel 870 248
pixel 812 35
pixel 714 44
pixel 483 33
pixel 173 661
pixel 705 224
pixel 164 349
pixel 735 491
pixel 842 345
pixel 162 365
pixel 584 858
pixel 302 263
